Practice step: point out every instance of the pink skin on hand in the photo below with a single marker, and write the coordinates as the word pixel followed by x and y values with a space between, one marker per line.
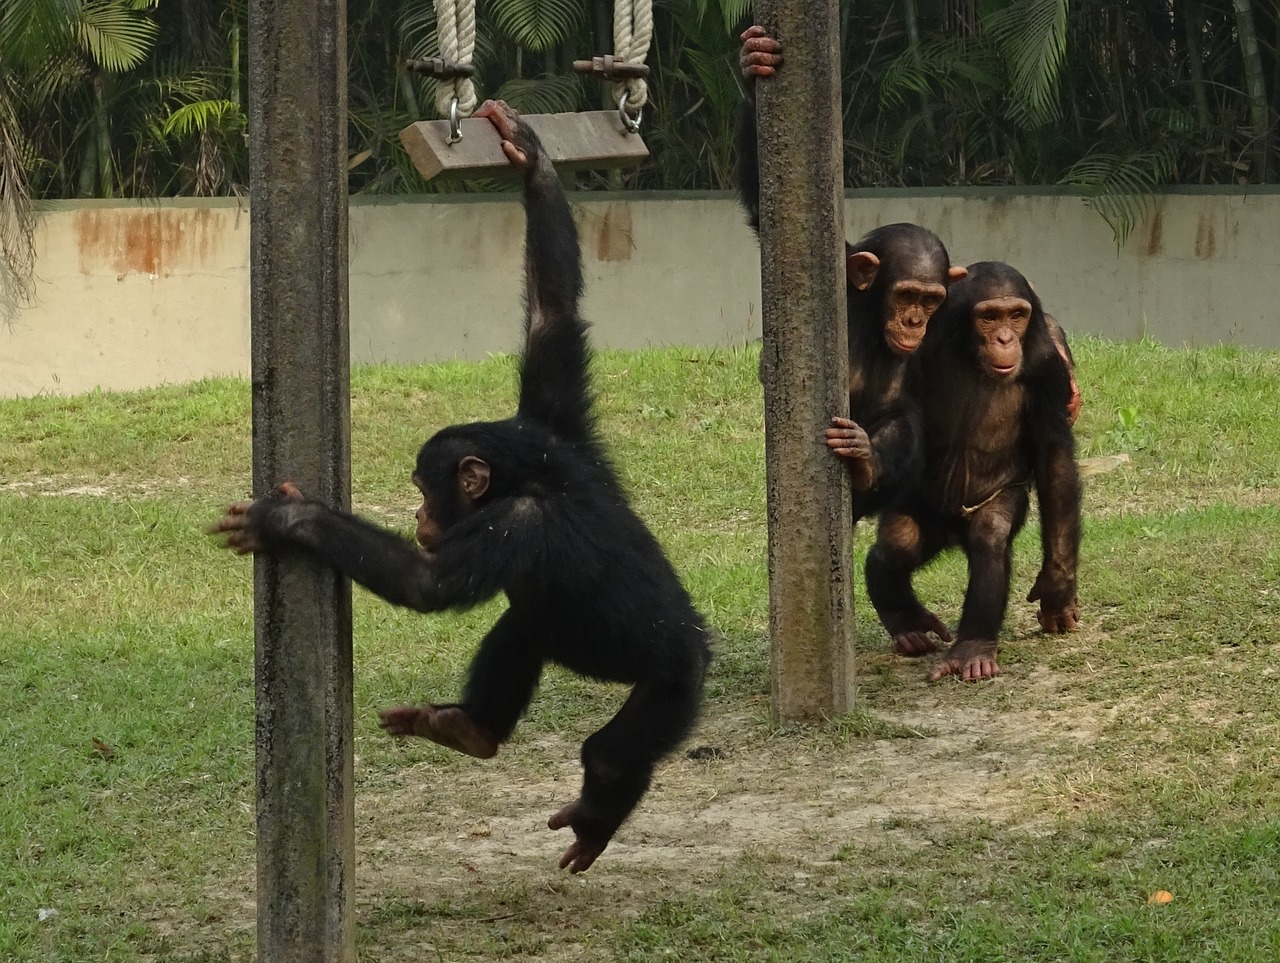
pixel 241 537
pixel 761 55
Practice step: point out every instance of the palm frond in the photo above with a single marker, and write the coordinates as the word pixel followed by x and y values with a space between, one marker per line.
pixel 1172 120
pixel 732 12
pixel 203 115
pixel 716 79
pixel 542 95
pixel 32 29
pixel 936 66
pixel 1032 37
pixel 17 217
pixel 1120 186
pixel 115 34
pixel 536 24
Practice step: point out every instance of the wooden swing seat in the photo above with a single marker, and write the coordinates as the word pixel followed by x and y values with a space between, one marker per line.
pixel 583 140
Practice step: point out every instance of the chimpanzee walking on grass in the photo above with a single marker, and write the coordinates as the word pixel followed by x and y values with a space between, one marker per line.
pixel 532 507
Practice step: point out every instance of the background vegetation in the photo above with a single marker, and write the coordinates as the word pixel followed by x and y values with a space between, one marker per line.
pixel 128 98
pixel 142 98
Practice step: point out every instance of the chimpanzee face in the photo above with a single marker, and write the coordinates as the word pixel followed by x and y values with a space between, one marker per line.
pixel 454 497
pixel 1000 323
pixel 910 303
pixel 914 285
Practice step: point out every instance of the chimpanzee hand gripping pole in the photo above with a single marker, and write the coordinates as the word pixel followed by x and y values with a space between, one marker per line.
pixel 805 361
pixel 301 422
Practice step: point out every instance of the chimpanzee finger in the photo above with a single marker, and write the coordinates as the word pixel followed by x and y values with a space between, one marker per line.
pixel 514 154
pixel 241 542
pixel 233 520
pixel 290 490
pixel 764 45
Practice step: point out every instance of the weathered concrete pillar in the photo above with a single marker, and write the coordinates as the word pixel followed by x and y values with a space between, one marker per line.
pixel 301 432
pixel 805 345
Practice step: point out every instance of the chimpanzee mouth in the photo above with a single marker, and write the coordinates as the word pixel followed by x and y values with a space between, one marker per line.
pixel 904 347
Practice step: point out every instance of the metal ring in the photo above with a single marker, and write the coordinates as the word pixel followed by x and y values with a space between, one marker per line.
pixel 455 123
pixel 629 123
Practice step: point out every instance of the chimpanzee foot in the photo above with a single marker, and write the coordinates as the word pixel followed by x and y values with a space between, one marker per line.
pixel 913 635
pixel 584 850
pixel 1059 621
pixel 970 659
pixel 448 726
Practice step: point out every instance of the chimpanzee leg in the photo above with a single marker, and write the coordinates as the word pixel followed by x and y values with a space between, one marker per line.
pixel 618 762
pixel 905 543
pixel 503 674
pixel 500 682
pixel 987 540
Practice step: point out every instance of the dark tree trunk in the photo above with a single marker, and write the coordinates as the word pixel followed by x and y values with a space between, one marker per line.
pixel 1256 85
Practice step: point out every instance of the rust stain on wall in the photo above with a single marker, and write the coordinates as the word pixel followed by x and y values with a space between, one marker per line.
pixel 1206 239
pixel 155 242
pixel 613 234
pixel 1156 235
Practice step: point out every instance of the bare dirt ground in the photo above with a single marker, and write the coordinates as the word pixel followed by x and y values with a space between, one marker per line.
pixel 476 850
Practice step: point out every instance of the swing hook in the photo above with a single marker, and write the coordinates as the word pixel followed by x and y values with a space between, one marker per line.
pixel 631 124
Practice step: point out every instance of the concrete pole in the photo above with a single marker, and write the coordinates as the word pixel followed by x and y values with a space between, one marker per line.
pixel 805 361
pixel 301 432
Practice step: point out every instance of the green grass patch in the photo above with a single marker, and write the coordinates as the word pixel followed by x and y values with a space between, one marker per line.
pixel 120 621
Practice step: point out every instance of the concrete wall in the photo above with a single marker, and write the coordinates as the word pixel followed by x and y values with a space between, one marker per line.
pixel 138 294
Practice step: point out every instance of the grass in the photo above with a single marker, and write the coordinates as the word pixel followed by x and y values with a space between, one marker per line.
pixel 121 622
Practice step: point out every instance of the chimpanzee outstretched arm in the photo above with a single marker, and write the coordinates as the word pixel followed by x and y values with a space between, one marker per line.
pixel 555 386
pixel 1058 490
pixel 474 560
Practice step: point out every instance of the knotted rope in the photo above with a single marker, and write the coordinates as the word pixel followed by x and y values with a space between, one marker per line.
pixel 456 31
pixel 632 32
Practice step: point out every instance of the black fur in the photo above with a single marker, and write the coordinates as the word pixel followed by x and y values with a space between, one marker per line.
pixel 588 585
pixel 986 443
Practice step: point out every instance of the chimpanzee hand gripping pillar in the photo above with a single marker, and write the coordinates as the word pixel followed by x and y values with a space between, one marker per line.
pixel 532 507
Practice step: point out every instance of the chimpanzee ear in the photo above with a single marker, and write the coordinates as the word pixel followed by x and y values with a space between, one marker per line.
pixel 860 269
pixel 473 476
pixel 956 273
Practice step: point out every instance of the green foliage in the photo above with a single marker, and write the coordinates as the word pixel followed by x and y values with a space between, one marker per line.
pixel 114 33
pixel 535 24
pixel 203 115
pixel 542 95
pixel 1032 37
pixel 1120 186
pixel 957 92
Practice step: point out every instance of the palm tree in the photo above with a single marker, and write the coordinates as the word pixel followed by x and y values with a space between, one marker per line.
pixel 48 49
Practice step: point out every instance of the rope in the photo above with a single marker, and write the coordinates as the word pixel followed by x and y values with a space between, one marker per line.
pixel 632 31
pixel 456 31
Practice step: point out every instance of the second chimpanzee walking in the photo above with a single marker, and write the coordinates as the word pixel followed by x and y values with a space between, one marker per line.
pixel 994 388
